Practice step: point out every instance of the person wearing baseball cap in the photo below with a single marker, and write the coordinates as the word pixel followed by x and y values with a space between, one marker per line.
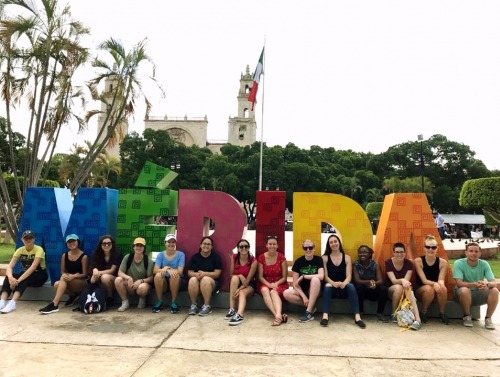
pixel 74 267
pixel 135 275
pixel 169 268
pixel 33 274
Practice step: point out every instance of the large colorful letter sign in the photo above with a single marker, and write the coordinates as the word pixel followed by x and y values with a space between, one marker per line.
pixel 348 217
pixel 51 214
pixel 270 219
pixel 196 208
pixel 407 218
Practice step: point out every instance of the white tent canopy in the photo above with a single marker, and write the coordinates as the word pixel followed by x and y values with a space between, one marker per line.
pixel 464 219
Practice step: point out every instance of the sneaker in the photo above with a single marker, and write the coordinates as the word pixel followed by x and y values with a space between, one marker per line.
pixel 423 317
pixel 488 323
pixel 71 300
pixel 142 303
pixel 467 321
pixel 174 309
pixel 444 318
pixel 11 306
pixel 205 310
pixel 158 307
pixel 230 314
pixel 324 322
pixel 49 309
pixel 125 305
pixel 382 318
pixel 415 325
pixel 193 309
pixel 236 320
pixel 307 317
pixel 2 304
pixel 394 319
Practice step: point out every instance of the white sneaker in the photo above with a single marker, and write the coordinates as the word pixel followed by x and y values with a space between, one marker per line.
pixel 2 304
pixel 125 306
pixel 142 303
pixel 488 324
pixel 10 307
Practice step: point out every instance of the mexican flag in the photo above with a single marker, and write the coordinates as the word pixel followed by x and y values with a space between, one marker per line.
pixel 252 96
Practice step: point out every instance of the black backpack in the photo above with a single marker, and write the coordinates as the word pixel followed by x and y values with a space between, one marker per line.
pixel 92 299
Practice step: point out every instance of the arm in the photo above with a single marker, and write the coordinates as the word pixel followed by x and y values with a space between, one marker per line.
pixel 30 270
pixel 327 278
pixel 260 269
pixel 10 268
pixel 443 270
pixel 284 273
pixel 251 273
pixel 348 271
pixel 380 279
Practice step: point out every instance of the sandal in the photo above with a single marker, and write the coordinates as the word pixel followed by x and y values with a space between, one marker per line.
pixel 284 317
pixel 277 321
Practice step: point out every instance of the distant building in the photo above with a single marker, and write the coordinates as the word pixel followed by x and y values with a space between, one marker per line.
pixel 193 131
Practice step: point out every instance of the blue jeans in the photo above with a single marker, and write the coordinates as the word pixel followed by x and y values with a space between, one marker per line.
pixel 349 291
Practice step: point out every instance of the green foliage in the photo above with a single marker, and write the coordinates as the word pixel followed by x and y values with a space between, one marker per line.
pixel 374 209
pixel 482 193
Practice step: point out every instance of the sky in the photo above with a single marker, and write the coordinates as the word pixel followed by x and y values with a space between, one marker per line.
pixel 362 75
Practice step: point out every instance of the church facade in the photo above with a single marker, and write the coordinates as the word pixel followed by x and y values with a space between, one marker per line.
pixel 193 131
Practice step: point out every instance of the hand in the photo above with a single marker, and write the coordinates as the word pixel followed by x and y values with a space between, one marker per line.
pixel 95 272
pixel 405 283
pixel 306 301
pixel 130 282
pixel 66 277
pixel 199 275
pixel 437 287
pixel 236 293
pixel 243 280
pixel 173 273
pixel 13 281
pixel 481 285
pixel 373 284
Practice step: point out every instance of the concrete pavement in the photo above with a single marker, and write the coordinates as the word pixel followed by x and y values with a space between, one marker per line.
pixel 140 343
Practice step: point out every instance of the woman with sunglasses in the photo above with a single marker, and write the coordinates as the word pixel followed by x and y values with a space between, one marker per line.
pixel 272 273
pixel 431 275
pixel 398 271
pixel 242 271
pixel 104 266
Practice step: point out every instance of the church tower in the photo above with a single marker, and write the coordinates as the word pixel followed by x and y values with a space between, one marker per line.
pixel 121 130
pixel 242 128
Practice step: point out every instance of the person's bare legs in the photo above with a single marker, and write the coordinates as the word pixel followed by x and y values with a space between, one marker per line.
pixel 492 302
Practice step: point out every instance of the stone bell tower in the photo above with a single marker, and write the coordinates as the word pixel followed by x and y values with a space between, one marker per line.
pixel 242 128
pixel 121 130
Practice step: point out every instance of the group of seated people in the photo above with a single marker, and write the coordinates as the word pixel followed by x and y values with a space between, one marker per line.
pixel 332 275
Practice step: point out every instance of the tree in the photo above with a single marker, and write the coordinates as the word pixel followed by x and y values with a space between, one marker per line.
pixel 40 53
pixel 482 193
pixel 124 72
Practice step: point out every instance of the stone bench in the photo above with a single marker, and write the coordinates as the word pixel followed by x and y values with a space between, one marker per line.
pixel 221 301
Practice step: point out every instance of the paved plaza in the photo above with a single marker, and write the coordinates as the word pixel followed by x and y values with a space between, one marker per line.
pixel 140 343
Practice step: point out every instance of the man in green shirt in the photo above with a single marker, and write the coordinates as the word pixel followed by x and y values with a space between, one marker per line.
pixel 476 285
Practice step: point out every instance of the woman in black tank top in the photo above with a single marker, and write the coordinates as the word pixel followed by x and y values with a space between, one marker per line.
pixel 74 265
pixel 338 267
pixel 431 276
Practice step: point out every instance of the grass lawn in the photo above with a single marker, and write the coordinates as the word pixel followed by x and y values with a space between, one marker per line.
pixel 6 252
pixel 494 262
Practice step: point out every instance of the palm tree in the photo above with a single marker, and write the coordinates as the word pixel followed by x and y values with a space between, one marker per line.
pixel 124 73
pixel 41 70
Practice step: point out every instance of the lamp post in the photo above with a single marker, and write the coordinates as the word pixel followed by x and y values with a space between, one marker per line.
pixel 421 139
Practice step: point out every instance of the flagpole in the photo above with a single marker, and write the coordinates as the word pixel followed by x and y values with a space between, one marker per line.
pixel 262 118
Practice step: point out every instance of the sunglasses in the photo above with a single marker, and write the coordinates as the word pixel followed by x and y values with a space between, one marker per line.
pixel 430 247
pixel 307 248
pixel 106 243
pixel 244 247
pixel 275 237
